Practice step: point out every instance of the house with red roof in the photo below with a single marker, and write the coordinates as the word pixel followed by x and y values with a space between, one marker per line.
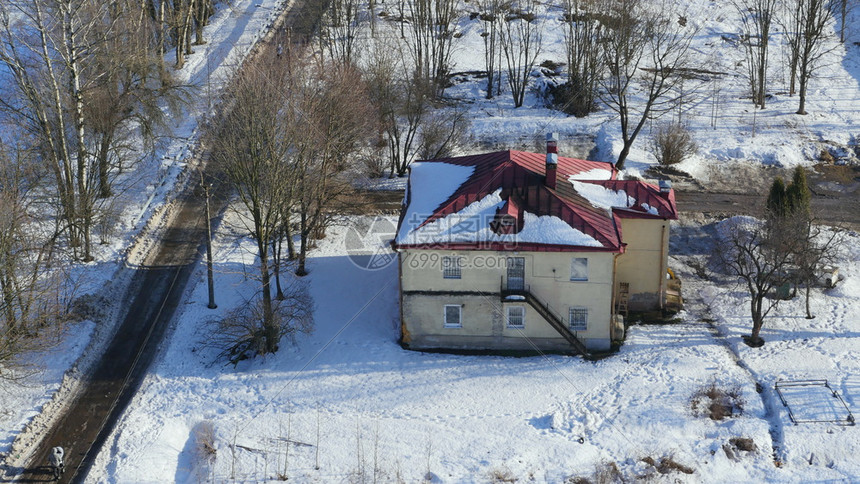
pixel 524 251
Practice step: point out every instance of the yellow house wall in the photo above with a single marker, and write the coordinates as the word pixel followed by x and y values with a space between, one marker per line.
pixel 547 275
pixel 644 261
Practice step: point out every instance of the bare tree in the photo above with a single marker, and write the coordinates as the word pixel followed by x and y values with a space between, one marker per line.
pixel 818 247
pixel 402 101
pixel 789 206
pixel 759 254
pixel 757 17
pixel 132 96
pixel 584 62
pixel 181 22
pixel 808 34
pixel 845 8
pixel 490 14
pixel 32 299
pixel 673 143
pixel 643 52
pixel 443 131
pixel 339 30
pixel 329 112
pixel 521 40
pixel 430 42
pixel 48 71
pixel 250 147
pixel 203 9
pixel 82 74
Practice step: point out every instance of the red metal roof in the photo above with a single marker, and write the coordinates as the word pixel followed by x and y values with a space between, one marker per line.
pixel 521 175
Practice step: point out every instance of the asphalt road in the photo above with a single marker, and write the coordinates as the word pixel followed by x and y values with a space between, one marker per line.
pixel 154 295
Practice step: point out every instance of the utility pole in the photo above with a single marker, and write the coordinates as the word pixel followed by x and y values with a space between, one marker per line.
pixel 209 273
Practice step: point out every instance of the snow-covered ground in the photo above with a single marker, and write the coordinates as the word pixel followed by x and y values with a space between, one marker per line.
pixel 354 403
pixel 719 113
pixel 357 407
pixel 231 33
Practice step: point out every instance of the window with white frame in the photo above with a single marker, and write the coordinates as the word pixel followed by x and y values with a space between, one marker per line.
pixel 453 316
pixel 451 267
pixel 579 269
pixel 578 318
pixel 516 316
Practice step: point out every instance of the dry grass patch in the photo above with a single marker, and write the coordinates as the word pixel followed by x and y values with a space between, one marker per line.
pixel 604 473
pixel 502 475
pixel 717 403
pixel 668 465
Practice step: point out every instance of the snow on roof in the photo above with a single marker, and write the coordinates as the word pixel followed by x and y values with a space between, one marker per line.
pixel 592 174
pixel 457 201
pixel 600 196
pixel 472 224
pixel 650 209
pixel 430 184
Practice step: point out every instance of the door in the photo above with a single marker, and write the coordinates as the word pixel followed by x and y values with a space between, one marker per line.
pixel 516 273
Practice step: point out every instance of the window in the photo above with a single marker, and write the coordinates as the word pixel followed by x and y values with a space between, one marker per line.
pixel 579 269
pixel 516 316
pixel 452 316
pixel 578 318
pixel 451 267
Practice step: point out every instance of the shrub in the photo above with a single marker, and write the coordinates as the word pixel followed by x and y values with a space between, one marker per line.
pixel 204 436
pixel 673 143
pixel 717 403
pixel 572 98
pixel 243 334
pixel 443 133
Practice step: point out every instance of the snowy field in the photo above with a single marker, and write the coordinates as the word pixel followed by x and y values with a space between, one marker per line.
pixel 355 407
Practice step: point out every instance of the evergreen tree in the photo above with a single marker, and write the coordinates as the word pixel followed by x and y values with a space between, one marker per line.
pixel 777 199
pixel 797 194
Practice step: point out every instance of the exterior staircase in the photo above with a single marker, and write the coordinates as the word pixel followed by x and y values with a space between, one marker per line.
pixel 547 314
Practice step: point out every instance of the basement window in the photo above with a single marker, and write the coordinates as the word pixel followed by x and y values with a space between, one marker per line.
pixel 452 316
pixel 578 318
pixel 516 316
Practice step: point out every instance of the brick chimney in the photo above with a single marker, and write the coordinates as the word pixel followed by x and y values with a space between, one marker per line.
pixel 551 159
